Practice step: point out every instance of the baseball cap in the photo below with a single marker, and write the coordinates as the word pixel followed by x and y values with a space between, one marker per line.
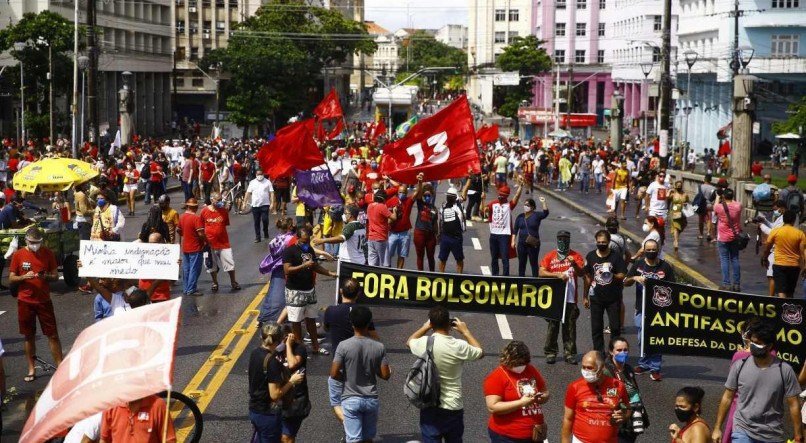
pixel 451 191
pixel 504 191
pixel 563 234
pixel 792 179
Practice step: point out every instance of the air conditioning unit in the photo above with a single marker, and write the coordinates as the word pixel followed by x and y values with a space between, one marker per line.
pixel 206 34
pixel 192 9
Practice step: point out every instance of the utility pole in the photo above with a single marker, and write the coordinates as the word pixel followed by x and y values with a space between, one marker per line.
pixel 74 109
pixel 92 74
pixel 557 100
pixel 665 82
pixel 569 99
pixel 734 61
pixel 50 99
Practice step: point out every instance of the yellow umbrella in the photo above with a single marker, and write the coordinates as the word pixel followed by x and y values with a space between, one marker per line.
pixel 53 174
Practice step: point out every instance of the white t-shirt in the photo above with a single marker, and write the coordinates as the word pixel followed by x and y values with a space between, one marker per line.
pixel 260 192
pixel 657 199
pixel 335 169
pixel 90 426
pixel 501 215
pixel 598 164
pixel 118 303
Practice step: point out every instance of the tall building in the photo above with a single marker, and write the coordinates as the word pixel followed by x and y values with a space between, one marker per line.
pixel 453 35
pixel 385 59
pixel 135 37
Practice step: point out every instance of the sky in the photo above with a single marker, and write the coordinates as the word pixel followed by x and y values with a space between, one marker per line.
pixel 393 15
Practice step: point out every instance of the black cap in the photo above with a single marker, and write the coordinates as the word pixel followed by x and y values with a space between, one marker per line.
pixel 563 234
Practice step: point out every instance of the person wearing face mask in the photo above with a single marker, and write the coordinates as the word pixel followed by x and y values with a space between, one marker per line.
pixel 426 229
pixel 767 389
pixel 259 195
pixel 657 196
pixel 107 221
pixel 678 199
pixel 353 238
pixel 130 178
pixel 654 231
pixel 193 240
pixel 526 235
pixel 514 393
pixel 603 291
pixel 687 409
pixel 399 230
pixel 451 231
pixel 215 219
pixel 766 226
pixel 500 222
pixel 789 257
pixel 566 264
pixel 595 405
pixel 616 366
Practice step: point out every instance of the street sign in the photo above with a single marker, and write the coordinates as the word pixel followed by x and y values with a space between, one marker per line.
pixel 756 128
pixel 506 79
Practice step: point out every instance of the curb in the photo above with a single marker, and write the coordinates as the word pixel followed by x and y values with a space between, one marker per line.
pixel 679 266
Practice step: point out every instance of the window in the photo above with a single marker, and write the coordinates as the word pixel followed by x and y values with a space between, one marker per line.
pixel 560 4
pixel 500 37
pixel 559 56
pixel 512 35
pixel 194 54
pixel 582 4
pixel 655 55
pixel 500 15
pixel 180 26
pixel 657 23
pixel 785 45
pixel 581 29
pixel 513 15
pixel 219 26
pixel 785 3
pixel 579 56
pixel 602 4
pixel 600 56
pixel 601 29
pixel 197 82
pixel 559 31
pixel 180 82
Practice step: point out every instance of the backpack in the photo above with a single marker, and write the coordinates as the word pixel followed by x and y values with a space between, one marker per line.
pixel 794 200
pixel 699 202
pixel 145 171
pixel 422 381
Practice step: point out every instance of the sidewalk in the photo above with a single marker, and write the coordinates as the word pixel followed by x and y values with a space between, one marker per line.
pixel 697 260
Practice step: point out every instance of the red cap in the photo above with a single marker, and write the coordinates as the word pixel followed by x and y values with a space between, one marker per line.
pixel 792 179
pixel 503 191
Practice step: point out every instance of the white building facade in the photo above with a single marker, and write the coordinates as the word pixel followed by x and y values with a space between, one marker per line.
pixel 453 35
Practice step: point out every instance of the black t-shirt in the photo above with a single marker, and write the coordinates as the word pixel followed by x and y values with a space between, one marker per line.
pixel 259 400
pixel 603 271
pixel 302 280
pixel 300 350
pixel 661 271
pixel 337 323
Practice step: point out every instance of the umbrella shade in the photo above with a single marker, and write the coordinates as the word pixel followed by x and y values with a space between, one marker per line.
pixel 788 136
pixel 560 133
pixel 53 174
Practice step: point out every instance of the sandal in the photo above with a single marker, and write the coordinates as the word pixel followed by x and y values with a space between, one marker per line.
pixel 236 287
pixel 322 351
pixel 214 288
pixel 29 378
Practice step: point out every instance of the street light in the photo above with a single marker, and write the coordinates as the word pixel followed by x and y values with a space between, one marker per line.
pixel 745 55
pixel 83 64
pixel 44 41
pixel 691 58
pixel 646 68
pixel 19 47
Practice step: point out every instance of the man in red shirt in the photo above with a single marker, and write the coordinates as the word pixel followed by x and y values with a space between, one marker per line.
pixel 32 267
pixel 399 239
pixel 215 220
pixel 207 175
pixel 595 405
pixel 566 264
pixel 193 240
pixel 157 175
pixel 378 219
pixel 138 421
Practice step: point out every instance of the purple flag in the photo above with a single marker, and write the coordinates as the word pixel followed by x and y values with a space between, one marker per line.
pixel 316 188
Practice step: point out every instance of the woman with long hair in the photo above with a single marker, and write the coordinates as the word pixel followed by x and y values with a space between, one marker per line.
pixel 654 231
pixel 154 223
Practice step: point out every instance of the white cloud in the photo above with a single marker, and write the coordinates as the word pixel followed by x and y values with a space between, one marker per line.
pixel 394 14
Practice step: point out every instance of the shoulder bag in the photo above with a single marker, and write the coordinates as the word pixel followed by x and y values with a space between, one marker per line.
pixel 531 241
pixel 741 239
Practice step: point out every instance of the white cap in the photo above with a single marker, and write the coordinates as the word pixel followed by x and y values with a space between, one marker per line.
pixel 451 191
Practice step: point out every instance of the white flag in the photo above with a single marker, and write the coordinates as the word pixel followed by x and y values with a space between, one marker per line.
pixel 115 144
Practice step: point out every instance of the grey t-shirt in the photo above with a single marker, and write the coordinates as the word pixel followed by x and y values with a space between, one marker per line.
pixel 762 397
pixel 361 358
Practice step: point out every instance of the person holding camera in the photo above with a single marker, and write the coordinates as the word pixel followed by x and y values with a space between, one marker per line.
pixel 616 366
pixel 450 354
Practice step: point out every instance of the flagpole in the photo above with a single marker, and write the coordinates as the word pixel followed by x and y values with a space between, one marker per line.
pixel 167 417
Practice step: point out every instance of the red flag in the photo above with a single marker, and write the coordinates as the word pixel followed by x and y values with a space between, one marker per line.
pixel 441 146
pixel 488 134
pixel 122 358
pixel 378 130
pixel 292 148
pixel 337 130
pixel 329 107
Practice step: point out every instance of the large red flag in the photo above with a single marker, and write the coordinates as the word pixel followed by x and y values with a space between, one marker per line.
pixel 378 130
pixel 329 107
pixel 441 146
pixel 488 134
pixel 337 130
pixel 292 148
pixel 120 359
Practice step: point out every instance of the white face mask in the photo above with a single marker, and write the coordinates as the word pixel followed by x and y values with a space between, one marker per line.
pixel 590 376
pixel 344 218
pixel 527 208
pixel 34 246
pixel 646 228
pixel 259 178
pixel 519 369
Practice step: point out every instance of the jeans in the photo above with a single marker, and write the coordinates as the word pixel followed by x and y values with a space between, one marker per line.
pixel 569 331
pixel 147 196
pixel 740 436
pixel 530 255
pixel 191 269
pixel 438 425
pixel 267 426
pixel 332 249
pixel 499 249
pixel 425 244
pixel 274 301
pixel 585 181
pixel 650 362
pixel 157 189
pixel 260 215
pixel 187 190
pixel 598 309
pixel 376 252
pixel 360 418
pixel 398 244
pixel 599 177
pixel 729 258
pixel 207 188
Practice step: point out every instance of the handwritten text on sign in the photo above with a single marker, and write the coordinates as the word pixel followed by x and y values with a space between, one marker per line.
pixel 129 260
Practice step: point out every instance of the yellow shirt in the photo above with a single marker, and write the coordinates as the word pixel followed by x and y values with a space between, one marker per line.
pixel 300 211
pixel 789 243
pixel 171 218
pixel 620 182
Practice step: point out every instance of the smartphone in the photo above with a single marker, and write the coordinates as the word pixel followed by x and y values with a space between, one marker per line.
pixel 453 322
pixel 301 371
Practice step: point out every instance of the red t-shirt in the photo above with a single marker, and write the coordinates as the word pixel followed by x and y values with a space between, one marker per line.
pixel 592 416
pixel 215 222
pixel 145 426
pixel 189 223
pixel 161 293
pixel 12 164
pixel 10 193
pixel 156 172
pixel 403 222
pixel 510 386
pixel 237 172
pixel 378 222
pixel 35 290
pixel 207 171
pixel 551 263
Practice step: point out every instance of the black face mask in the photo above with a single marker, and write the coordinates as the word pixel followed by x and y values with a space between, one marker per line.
pixel 683 415
pixel 758 351
pixel 602 248
pixel 652 255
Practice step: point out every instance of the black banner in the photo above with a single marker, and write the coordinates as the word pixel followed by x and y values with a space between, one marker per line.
pixel 686 320
pixel 541 297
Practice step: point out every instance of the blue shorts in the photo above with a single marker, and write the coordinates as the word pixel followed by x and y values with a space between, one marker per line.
pixel 291 426
pixel 450 245
pixel 398 244
pixel 501 177
pixel 334 390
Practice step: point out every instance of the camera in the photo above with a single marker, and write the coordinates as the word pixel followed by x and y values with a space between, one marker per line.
pixel 637 421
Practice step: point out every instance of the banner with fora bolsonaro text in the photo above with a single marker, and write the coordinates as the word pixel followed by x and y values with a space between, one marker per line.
pixel 540 297
pixel 692 321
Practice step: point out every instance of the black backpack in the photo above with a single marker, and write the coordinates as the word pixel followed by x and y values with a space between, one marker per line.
pixel 794 200
pixel 145 171
pixel 422 381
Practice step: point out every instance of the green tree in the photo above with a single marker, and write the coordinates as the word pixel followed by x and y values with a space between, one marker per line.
pixel 525 56
pixel 796 121
pixel 40 31
pixel 275 59
pixel 422 50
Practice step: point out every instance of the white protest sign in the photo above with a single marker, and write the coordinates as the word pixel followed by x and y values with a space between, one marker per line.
pixel 153 261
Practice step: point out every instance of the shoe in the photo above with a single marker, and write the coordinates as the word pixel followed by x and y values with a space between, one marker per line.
pixel 85 288
pixel 736 288
pixel 607 330
pixel 571 360
pixel 551 359
pixel 638 370
pixel 196 293
pixel 655 376
pixel 257 240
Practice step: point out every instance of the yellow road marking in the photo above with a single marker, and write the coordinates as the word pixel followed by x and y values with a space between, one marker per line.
pixel 221 362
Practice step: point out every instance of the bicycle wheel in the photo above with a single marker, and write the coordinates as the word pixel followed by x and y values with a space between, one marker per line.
pixel 188 419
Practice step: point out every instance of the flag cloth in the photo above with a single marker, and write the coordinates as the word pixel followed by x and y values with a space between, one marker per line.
pixel 293 147
pixel 115 144
pixel 441 146
pixel 406 126
pixel 488 134
pixel 317 188
pixel 329 107
pixel 337 130
pixel 119 359
pixel 378 130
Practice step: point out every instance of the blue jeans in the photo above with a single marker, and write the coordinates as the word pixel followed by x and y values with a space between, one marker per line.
pixel 191 269
pixel 729 258
pixel 360 418
pixel 585 182
pixel 187 189
pixel 274 301
pixel 650 362
pixel 268 427
pixel 332 249
pixel 398 245
pixel 147 196
pixel 438 425
pixel 740 436
pixel 599 181
pixel 499 249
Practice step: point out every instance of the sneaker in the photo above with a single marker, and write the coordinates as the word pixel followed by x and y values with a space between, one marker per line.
pixel 638 370
pixel 607 330
pixel 196 293
pixel 551 359
pixel 571 360
pixel 736 288
pixel 655 376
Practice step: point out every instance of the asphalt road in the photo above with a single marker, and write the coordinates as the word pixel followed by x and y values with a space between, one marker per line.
pixel 208 319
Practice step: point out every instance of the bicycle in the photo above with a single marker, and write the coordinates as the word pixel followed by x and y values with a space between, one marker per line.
pixel 234 197
pixel 188 419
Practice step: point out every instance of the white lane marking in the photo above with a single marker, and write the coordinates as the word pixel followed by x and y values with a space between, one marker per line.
pixel 2 312
pixel 501 319
pixel 469 224
pixel 476 243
